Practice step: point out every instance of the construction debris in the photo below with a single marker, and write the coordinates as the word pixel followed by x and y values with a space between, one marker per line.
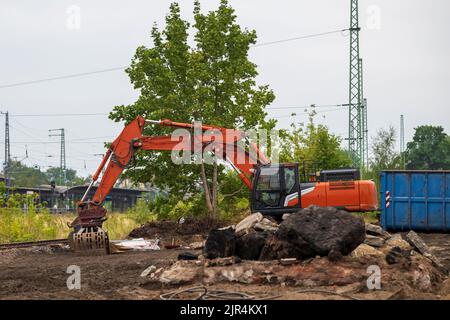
pixel 134 245
pixel 288 261
pixel 148 271
pixel 228 261
pixel 374 241
pixel 246 225
pixel 375 230
pixel 187 256
pixel 266 225
pixel 397 241
pixel 179 273
pixel 249 246
pixel 197 245
pixel 315 231
pixel 417 242
pixel 398 255
pixel 220 243
pixel 364 250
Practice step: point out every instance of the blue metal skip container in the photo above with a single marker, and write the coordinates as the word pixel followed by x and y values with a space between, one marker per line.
pixel 415 200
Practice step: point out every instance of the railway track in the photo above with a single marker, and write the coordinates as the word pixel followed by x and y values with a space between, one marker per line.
pixel 5 246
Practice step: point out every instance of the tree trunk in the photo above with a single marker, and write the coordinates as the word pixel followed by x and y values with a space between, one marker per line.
pixel 214 190
pixel 208 197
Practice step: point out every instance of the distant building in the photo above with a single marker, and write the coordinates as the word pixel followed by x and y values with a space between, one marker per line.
pixel 64 199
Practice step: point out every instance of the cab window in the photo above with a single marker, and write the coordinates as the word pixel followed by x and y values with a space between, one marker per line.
pixel 289 179
pixel 269 179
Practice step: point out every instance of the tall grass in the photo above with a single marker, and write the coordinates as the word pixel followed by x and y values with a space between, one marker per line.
pixel 17 226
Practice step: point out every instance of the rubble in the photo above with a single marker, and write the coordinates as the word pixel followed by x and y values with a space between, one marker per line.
pixel 266 225
pixel 375 230
pixel 187 256
pixel 222 261
pixel 288 261
pixel 248 223
pixel 398 255
pixel 417 242
pixel 315 231
pixel 397 241
pixel 220 243
pixel 179 273
pixel 148 271
pixel 364 250
pixel 374 241
pixel 134 245
pixel 249 246
pixel 197 245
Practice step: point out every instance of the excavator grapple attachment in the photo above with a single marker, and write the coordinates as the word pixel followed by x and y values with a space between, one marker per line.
pixel 90 240
pixel 88 236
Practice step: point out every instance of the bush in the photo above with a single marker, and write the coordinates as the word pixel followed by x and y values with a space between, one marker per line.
pixel 17 226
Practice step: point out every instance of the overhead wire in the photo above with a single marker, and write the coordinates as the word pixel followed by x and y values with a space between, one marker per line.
pixel 89 73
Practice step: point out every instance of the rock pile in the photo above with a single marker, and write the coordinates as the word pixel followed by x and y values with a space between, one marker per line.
pixel 311 232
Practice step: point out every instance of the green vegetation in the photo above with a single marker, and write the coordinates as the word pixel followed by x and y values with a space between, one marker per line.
pixel 24 176
pixel 429 150
pixel 313 142
pixel 211 81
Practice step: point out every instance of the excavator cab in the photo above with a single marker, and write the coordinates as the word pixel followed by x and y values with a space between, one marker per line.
pixel 276 189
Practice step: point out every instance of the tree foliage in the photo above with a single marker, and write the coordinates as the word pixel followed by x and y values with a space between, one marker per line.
pixel 384 155
pixel 212 81
pixel 429 150
pixel 315 143
pixel 24 176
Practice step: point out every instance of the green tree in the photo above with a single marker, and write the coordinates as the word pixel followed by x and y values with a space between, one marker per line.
pixel 55 174
pixel 23 176
pixel 384 155
pixel 429 150
pixel 212 81
pixel 314 143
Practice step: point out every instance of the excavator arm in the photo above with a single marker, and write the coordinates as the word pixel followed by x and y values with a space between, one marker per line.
pixel 275 189
pixel 223 142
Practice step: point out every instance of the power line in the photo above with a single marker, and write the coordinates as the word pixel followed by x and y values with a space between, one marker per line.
pixel 68 76
pixel 300 38
pixel 307 107
pixel 296 114
pixel 89 73
pixel 60 115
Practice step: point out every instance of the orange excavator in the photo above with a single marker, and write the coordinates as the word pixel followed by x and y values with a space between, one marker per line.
pixel 276 189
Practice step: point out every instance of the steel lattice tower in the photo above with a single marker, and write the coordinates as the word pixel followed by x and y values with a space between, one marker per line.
pixel 364 142
pixel 402 140
pixel 7 163
pixel 356 126
pixel 62 161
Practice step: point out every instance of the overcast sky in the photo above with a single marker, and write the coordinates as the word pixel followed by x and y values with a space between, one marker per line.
pixel 405 48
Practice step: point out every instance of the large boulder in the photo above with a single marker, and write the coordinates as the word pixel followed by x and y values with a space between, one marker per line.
pixel 249 246
pixel 313 231
pixel 220 243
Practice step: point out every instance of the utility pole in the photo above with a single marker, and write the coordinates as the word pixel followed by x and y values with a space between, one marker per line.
pixel 7 163
pixel 402 140
pixel 357 124
pixel 364 143
pixel 62 161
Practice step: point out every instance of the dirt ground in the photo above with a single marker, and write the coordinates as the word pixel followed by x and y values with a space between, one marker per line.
pixel 41 273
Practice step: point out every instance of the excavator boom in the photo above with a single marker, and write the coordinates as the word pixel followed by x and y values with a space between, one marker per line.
pixel 275 188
